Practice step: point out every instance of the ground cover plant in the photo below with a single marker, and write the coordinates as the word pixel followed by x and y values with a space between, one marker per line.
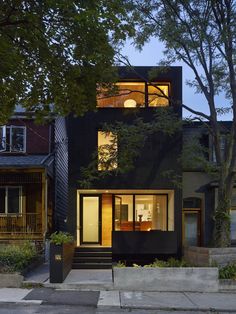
pixel 15 258
pixel 228 271
pixel 171 262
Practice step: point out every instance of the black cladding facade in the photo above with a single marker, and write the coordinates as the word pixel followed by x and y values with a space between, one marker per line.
pixel 160 154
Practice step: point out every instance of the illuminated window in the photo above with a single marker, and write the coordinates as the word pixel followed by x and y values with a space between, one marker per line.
pixel 157 95
pixel 134 95
pixel 141 213
pixel 107 151
pixel 128 95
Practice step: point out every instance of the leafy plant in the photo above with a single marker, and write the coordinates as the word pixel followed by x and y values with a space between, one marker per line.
pixel 16 257
pixel 61 237
pixel 121 264
pixel 171 262
pixel 228 271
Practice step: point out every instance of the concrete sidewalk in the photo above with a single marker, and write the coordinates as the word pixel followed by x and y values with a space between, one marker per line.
pixel 109 301
pixel 168 301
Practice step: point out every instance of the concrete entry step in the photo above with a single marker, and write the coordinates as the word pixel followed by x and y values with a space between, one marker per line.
pixel 92 258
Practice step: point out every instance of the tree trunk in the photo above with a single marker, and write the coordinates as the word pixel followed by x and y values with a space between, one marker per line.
pixel 222 218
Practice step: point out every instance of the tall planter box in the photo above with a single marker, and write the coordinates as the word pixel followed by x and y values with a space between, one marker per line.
pixel 175 279
pixel 61 257
pixel 204 256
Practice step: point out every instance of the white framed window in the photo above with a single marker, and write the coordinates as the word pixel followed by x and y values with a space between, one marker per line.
pixel 10 200
pixel 2 138
pixel 13 138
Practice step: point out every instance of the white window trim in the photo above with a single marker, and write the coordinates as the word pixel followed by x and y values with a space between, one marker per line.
pixel 3 139
pixel 10 127
pixel 6 188
pixel 24 138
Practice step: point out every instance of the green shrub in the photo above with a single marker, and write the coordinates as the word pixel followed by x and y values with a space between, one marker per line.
pixel 228 271
pixel 121 264
pixel 171 262
pixel 61 237
pixel 14 258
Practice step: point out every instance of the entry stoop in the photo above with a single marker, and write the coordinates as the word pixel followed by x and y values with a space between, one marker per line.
pixel 92 258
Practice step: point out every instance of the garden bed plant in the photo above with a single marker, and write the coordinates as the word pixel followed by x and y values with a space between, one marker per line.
pixel 171 275
pixel 16 258
pixel 171 262
pixel 228 271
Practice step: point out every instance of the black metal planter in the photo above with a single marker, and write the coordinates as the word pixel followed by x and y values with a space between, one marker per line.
pixel 61 257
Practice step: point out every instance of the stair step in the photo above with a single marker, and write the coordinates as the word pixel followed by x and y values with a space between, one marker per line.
pixel 93 249
pixel 95 254
pixel 93 259
pixel 91 266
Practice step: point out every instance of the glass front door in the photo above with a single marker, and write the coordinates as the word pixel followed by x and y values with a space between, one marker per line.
pixel 91 220
pixel 191 228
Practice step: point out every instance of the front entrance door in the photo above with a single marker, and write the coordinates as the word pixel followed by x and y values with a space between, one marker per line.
pixel 191 228
pixel 90 219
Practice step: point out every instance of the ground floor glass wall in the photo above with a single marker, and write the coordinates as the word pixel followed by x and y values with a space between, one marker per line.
pixel 141 212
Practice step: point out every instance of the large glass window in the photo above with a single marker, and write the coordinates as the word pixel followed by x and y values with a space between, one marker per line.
pixel 127 95
pixel 150 212
pixel 124 212
pixel 157 95
pixel 141 212
pixel 10 200
pixel 12 138
pixel 135 94
pixel 107 151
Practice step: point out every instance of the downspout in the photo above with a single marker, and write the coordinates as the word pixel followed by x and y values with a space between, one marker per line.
pixel 46 204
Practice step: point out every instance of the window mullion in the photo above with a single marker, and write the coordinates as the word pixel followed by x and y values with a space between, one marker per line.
pixel 10 140
pixel 134 213
pixel 146 94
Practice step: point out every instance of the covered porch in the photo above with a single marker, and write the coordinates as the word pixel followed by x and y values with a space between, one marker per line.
pixel 25 204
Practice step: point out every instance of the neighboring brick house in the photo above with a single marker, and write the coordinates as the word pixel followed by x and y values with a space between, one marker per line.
pixel 27 176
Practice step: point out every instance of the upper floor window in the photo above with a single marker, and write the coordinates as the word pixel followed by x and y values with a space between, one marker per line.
pixel 222 148
pixel 12 139
pixel 107 151
pixel 135 94
pixel 10 200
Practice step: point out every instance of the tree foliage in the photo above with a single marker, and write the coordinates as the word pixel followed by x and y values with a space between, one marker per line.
pixel 54 52
pixel 202 34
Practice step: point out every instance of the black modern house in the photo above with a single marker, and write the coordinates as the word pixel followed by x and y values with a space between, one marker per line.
pixel 138 214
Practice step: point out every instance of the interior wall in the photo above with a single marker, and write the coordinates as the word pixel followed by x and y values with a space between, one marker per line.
pixel 171 211
pixel 106 219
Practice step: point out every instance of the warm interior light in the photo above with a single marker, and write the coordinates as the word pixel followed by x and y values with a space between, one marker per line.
pixel 130 103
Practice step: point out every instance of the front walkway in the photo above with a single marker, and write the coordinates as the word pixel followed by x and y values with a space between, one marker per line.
pixel 98 284
pixel 80 279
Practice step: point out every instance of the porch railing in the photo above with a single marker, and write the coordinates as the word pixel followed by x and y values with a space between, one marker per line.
pixel 27 223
